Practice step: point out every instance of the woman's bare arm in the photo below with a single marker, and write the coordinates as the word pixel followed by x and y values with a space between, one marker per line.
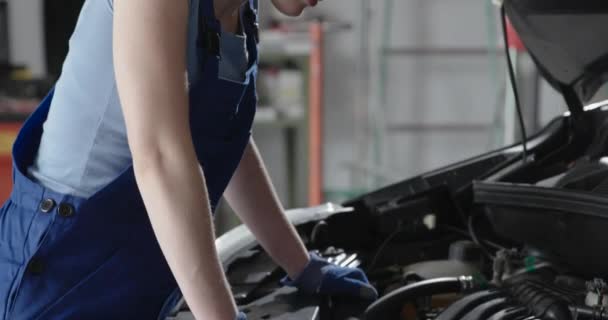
pixel 150 63
pixel 252 196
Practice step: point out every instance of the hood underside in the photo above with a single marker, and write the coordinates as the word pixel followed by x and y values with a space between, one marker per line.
pixel 567 40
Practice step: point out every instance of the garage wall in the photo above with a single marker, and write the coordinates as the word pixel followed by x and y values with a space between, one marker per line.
pixel 454 95
pixel 26 34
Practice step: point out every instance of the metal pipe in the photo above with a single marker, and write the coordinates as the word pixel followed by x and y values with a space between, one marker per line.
pixel 315 116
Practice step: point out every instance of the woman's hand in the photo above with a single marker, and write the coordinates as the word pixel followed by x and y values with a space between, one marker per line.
pixel 293 7
pixel 322 277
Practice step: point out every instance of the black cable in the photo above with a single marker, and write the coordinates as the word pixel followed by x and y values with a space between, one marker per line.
pixel 467 234
pixel 476 240
pixel 520 116
pixel 382 246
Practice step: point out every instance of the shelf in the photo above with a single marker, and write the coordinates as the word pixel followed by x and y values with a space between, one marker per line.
pixel 9 117
pixel 17 109
pixel 279 43
pixel 439 127
pixel 270 117
pixel 440 51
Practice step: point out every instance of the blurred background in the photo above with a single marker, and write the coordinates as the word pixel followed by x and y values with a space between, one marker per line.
pixel 354 95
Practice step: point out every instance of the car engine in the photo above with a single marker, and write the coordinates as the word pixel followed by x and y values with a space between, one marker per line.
pixel 467 285
pixel 492 237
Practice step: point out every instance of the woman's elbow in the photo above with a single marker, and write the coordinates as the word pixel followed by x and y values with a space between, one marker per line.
pixel 158 158
pixel 148 159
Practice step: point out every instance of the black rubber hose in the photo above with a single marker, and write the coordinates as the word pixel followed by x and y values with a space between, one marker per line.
pixel 389 306
pixel 588 313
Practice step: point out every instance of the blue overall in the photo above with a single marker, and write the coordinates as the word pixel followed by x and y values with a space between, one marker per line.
pixel 65 257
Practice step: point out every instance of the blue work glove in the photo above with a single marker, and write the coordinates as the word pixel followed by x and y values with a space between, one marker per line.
pixel 322 277
pixel 241 316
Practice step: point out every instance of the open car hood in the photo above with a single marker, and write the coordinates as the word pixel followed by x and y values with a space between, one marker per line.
pixel 564 39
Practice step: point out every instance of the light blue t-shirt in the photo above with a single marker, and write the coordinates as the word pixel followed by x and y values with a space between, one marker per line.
pixel 84 144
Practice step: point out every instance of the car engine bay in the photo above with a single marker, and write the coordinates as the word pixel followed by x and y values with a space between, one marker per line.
pixel 494 237
pixel 514 234
pixel 430 246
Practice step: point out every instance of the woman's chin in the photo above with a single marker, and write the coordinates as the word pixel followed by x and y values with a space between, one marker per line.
pixel 292 8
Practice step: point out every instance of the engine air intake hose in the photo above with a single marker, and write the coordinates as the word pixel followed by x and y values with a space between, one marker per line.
pixel 389 306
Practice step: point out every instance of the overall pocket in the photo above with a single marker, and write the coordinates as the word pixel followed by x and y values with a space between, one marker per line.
pixel 8 262
pixel 75 291
pixel 59 264
pixel 22 231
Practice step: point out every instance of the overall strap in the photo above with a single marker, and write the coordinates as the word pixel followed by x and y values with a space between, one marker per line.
pixel 253 5
pixel 209 28
pixel 206 10
pixel 252 13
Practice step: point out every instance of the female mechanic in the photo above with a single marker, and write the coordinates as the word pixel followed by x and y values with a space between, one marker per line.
pixel 118 171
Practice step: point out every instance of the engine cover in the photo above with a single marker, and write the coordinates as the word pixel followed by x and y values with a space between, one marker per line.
pixel 528 297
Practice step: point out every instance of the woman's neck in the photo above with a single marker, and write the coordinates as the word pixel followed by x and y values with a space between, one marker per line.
pixel 228 13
